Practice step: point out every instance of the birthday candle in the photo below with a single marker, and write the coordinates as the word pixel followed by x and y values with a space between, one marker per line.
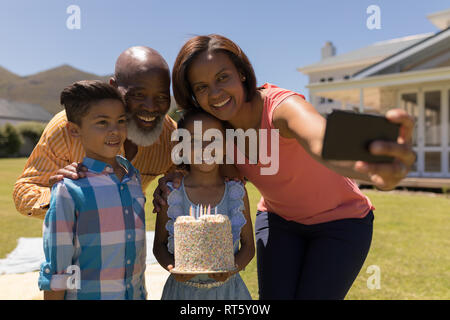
pixel 215 210
pixel 209 209
pixel 190 211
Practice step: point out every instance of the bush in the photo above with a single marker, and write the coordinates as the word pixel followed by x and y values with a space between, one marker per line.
pixel 10 141
pixel 31 130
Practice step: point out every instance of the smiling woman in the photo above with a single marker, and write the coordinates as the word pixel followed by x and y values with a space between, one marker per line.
pixel 313 226
pixel 235 61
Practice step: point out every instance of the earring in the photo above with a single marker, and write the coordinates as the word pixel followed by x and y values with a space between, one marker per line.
pixel 243 78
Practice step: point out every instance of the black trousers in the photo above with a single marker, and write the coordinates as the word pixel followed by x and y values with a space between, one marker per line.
pixel 309 262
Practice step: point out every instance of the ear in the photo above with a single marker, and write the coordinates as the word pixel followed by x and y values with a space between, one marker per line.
pixel 74 129
pixel 242 76
pixel 112 81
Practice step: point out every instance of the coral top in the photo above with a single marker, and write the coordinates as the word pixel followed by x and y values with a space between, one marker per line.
pixel 303 190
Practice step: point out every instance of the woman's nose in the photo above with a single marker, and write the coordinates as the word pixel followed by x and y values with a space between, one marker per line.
pixel 214 91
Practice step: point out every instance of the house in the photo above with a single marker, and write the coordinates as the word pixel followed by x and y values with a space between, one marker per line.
pixel 16 112
pixel 412 73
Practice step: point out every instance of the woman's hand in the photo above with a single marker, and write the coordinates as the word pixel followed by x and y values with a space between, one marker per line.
pixel 162 191
pixel 385 176
pixel 73 171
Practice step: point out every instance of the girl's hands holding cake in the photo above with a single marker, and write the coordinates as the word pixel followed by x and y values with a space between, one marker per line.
pixel 222 276
pixel 180 277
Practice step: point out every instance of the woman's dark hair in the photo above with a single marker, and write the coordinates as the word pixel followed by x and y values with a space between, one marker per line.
pixel 182 90
pixel 77 98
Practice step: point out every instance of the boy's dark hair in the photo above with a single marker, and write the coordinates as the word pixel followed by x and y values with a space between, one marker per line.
pixel 77 98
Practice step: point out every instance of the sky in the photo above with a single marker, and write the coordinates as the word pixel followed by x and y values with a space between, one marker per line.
pixel 277 36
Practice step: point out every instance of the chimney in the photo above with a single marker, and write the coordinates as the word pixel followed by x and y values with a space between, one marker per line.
pixel 440 19
pixel 328 50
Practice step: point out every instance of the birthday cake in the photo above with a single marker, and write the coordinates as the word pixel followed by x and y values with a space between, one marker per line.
pixel 203 244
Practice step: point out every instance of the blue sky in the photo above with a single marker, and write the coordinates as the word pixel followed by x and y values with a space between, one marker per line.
pixel 278 36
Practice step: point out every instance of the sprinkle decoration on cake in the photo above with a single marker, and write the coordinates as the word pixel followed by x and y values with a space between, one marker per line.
pixel 203 243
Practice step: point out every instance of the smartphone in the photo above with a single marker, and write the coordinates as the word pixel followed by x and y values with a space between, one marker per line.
pixel 348 136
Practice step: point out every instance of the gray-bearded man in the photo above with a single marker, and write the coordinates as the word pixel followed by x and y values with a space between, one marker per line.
pixel 143 77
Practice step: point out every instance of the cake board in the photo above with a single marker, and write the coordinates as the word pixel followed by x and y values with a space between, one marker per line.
pixel 175 271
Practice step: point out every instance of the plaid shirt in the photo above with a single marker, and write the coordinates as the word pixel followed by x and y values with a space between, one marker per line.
pixel 96 226
pixel 57 148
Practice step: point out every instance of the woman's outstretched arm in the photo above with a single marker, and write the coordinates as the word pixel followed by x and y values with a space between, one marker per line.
pixel 298 119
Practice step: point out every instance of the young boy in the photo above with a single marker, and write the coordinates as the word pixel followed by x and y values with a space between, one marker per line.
pixel 143 77
pixel 95 226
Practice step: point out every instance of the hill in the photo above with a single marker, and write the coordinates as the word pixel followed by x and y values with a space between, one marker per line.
pixel 42 88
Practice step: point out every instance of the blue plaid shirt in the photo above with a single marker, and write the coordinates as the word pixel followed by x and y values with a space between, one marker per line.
pixel 94 235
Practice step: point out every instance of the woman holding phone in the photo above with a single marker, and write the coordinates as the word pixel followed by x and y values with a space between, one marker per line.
pixel 313 226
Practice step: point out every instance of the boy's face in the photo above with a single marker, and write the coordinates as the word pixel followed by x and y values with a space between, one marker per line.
pixel 103 130
pixel 148 100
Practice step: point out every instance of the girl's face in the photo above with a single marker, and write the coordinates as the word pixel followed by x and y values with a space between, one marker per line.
pixel 217 84
pixel 207 152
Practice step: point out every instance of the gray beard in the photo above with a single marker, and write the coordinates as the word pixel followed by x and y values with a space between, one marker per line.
pixel 144 138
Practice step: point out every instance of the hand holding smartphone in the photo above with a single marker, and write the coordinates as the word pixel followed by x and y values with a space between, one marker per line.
pixel 349 134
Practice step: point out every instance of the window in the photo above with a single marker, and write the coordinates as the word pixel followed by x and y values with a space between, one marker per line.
pixel 432 161
pixel 433 135
pixel 409 104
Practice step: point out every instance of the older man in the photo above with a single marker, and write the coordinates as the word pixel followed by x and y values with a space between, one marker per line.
pixel 143 77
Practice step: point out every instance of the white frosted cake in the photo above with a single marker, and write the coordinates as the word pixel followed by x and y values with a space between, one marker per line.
pixel 204 244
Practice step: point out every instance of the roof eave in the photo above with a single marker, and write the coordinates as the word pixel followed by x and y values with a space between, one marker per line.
pixel 312 69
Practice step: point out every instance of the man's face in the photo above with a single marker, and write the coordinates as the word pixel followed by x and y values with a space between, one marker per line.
pixel 148 101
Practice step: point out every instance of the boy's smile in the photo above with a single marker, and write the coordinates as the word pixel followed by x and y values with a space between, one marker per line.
pixel 103 130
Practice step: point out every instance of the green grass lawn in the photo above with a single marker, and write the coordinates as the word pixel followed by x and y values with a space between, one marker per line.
pixel 410 244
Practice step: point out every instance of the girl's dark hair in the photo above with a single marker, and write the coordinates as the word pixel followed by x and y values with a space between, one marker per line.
pixel 77 98
pixel 189 113
pixel 182 90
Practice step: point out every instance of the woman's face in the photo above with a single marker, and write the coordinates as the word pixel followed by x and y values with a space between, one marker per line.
pixel 217 84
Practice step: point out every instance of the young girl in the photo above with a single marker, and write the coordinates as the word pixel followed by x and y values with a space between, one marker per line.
pixel 204 185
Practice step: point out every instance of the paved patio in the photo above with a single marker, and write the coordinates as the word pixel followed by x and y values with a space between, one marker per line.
pixel 24 286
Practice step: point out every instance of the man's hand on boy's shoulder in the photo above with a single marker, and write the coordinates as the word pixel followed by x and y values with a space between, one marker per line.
pixel 73 171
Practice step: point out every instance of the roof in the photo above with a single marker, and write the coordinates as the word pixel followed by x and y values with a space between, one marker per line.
pixel 370 54
pixel 23 111
pixel 424 44
pixel 440 19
